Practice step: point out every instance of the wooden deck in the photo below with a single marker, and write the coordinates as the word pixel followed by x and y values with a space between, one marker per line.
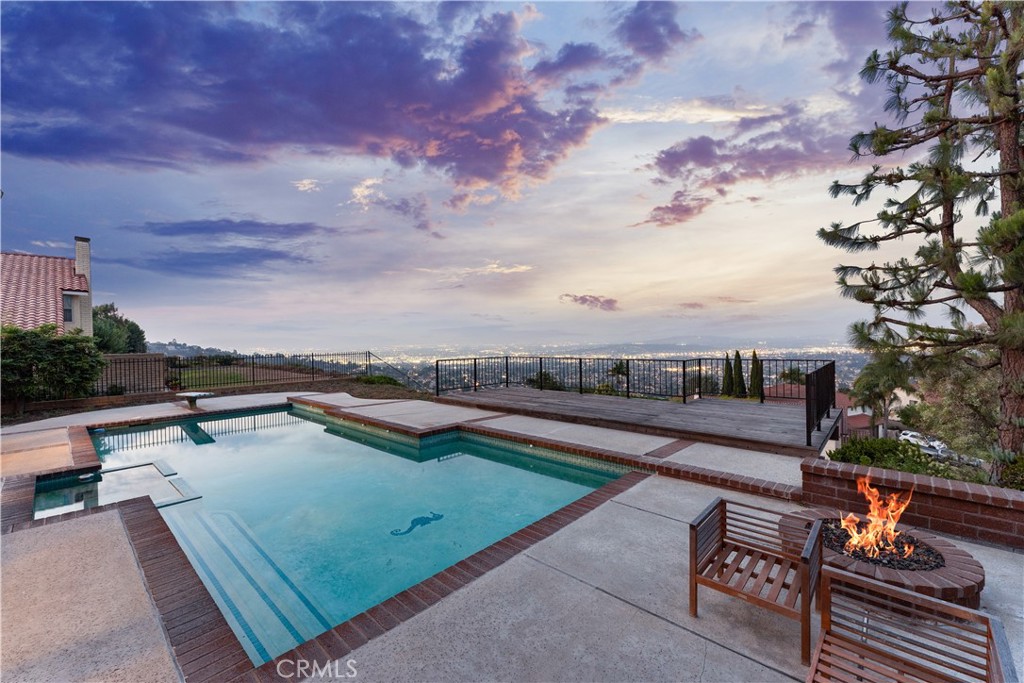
pixel 768 427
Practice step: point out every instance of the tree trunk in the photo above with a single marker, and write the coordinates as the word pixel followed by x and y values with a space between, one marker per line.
pixel 1011 401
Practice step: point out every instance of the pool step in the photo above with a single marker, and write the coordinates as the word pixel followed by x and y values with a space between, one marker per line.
pixel 251 589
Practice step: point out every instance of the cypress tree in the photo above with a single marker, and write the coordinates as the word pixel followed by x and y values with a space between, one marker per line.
pixel 756 375
pixel 727 384
pixel 739 385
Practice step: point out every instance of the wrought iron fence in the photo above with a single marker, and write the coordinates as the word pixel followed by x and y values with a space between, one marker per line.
pixel 783 378
pixel 797 380
pixel 151 372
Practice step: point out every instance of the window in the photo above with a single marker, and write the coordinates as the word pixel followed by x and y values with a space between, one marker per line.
pixel 69 313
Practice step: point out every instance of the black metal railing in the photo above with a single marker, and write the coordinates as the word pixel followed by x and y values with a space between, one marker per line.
pixel 783 378
pixel 820 388
pixel 154 372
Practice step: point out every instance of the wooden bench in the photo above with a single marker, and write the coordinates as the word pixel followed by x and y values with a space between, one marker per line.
pixel 193 396
pixel 871 631
pixel 759 556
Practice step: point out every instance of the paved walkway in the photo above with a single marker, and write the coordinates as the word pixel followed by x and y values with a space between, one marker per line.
pixel 75 607
pixel 604 599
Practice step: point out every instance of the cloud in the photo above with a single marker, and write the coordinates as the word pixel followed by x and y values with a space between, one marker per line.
pixel 692 305
pixel 600 303
pixel 50 244
pixel 683 207
pixel 416 208
pixel 734 300
pixel 365 193
pixel 307 185
pixel 697 110
pixel 650 30
pixel 234 263
pixel 183 86
pixel 226 227
pixel 493 268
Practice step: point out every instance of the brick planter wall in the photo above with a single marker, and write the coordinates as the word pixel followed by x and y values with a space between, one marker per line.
pixel 971 511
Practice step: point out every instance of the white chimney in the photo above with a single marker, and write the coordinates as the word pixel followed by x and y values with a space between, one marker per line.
pixel 83 266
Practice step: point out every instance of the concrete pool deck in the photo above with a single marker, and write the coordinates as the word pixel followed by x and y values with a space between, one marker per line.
pixel 607 594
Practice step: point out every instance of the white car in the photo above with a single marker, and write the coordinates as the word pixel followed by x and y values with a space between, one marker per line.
pixel 914 438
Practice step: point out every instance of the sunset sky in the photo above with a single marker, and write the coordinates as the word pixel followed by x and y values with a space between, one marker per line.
pixel 340 176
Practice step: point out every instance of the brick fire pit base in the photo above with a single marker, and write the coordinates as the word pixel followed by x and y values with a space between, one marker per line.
pixel 960 581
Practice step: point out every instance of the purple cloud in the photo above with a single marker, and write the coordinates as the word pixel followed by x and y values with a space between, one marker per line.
pixel 692 305
pixel 218 263
pixel 600 303
pixel 650 30
pixel 213 228
pixel 418 209
pixel 789 142
pixel 176 85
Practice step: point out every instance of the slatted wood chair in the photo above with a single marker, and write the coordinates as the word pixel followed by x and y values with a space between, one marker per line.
pixel 760 556
pixel 873 632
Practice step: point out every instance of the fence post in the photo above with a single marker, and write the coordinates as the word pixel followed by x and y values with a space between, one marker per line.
pixel 506 372
pixel 540 373
pixel 474 374
pixel 627 378
pixel 312 368
pixel 684 382
pixel 252 368
pixel 437 378
pixel 581 374
pixel 367 363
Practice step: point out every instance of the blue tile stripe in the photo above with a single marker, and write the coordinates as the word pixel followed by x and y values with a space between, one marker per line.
pixel 284 577
pixel 196 557
pixel 252 582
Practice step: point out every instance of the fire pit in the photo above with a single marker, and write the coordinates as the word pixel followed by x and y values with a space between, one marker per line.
pixel 870 545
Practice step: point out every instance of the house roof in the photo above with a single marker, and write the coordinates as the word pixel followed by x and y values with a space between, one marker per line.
pixel 31 288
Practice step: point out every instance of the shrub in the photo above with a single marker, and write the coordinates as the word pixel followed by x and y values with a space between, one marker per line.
pixel 544 380
pixel 1012 476
pixel 891 454
pixel 380 379
pixel 115 390
pixel 727 378
pixel 39 364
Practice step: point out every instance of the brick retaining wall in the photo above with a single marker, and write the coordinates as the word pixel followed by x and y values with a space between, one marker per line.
pixel 971 511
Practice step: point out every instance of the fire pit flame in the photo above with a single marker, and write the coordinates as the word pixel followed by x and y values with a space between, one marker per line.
pixel 880 531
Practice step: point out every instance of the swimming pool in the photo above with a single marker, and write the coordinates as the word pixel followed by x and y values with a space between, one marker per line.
pixel 296 522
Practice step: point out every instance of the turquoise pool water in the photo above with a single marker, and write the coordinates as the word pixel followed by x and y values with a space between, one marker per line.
pixel 296 524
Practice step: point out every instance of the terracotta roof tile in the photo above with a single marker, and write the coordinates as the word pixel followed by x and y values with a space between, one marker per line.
pixel 31 288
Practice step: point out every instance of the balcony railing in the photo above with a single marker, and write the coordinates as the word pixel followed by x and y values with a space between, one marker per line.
pixel 797 380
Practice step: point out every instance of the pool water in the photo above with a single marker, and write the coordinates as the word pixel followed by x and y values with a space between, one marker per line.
pixel 296 523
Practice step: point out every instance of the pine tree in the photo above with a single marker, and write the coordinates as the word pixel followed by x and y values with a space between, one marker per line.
pixel 727 380
pixel 737 377
pixel 956 97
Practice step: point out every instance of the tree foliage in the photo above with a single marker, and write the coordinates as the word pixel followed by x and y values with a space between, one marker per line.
pixel 793 375
pixel 728 381
pixel 115 333
pixel 40 363
pixel 739 384
pixel 877 384
pixel 756 375
pixel 961 406
pixel 954 83
pixel 544 380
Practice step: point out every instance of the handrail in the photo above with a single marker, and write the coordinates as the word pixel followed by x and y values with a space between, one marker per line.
pixel 820 396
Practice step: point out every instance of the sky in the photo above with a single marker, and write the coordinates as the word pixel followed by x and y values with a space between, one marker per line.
pixel 334 176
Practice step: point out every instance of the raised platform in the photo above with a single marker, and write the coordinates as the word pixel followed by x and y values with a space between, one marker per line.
pixel 768 427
